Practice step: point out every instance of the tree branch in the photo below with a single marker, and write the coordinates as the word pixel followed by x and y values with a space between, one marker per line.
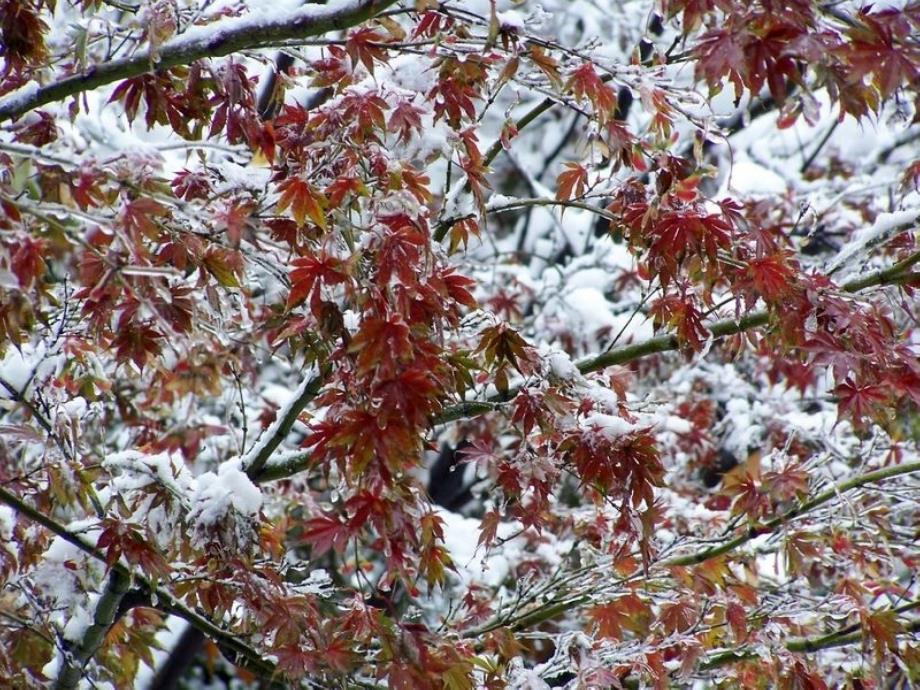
pixel 666 343
pixel 440 232
pixel 838 638
pixel 216 40
pixel 777 522
pixel 103 618
pixel 160 598
pixel 573 599
pixel 622 355
pixel 731 125
pixel 258 455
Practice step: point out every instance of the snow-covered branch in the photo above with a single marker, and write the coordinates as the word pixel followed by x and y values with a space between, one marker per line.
pixel 120 575
pixel 781 520
pixel 259 29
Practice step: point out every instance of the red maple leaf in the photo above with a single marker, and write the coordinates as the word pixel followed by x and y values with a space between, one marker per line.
pixel 364 46
pixel 310 273
pixel 572 182
pixel 584 82
pixel 303 200
pixel 860 401
pixel 326 532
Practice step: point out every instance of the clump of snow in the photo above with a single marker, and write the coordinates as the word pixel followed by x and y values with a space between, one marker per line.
pixel 136 470
pixel 412 74
pixel 51 669
pixel 246 176
pixel 7 523
pixel 675 424
pixel 80 620
pixel 19 366
pixel 277 394
pixel 749 177
pixel 499 201
pixel 884 226
pixel 218 494
pixel 68 579
pixel 511 20
pixel 610 426
pixel 560 364
pixel 318 582
pixel 744 431
pixel 523 678
pixel 75 408
pixel 592 308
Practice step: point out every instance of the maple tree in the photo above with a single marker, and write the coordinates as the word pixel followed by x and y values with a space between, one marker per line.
pixel 418 344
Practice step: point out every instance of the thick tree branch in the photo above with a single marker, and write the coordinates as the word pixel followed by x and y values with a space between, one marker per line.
pixel 104 617
pixel 254 462
pixel 216 40
pixel 248 657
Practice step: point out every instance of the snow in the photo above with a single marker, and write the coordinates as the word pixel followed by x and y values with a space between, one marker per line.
pixel 51 669
pixel 260 16
pixel 568 309
pixel 882 229
pixel 511 20
pixel 70 581
pixel 7 523
pixel 76 408
pixel 18 366
pixel 610 426
pixel 412 75
pixel 228 489
pixel 475 565
pixel 81 618
pixel 18 98
pixel 676 424
pixel 560 364
pixel 318 582
pixel 747 177
pixel 590 307
pixel 273 430
pixel 135 470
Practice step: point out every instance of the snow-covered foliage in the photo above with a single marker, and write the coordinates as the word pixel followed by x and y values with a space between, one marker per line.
pixel 474 343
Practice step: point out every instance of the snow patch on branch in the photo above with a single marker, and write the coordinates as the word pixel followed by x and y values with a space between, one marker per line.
pixel 269 435
pixel 18 99
pixel 609 426
pixel 264 15
pixel 19 367
pixel 218 494
pixel 886 225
